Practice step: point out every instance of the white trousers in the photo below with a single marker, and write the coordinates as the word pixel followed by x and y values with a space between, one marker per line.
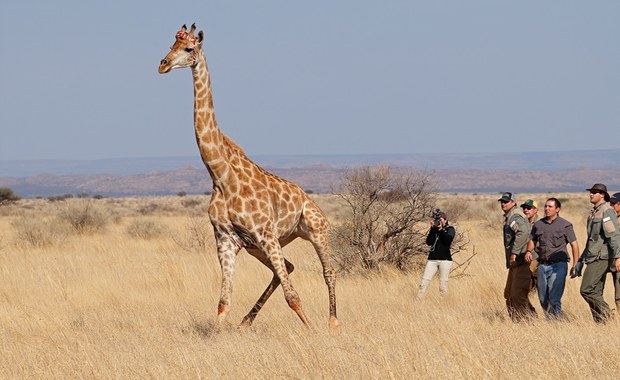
pixel 432 266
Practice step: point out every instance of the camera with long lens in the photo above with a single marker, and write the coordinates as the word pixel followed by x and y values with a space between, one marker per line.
pixel 436 217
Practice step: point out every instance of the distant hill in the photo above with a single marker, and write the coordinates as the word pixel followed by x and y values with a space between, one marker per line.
pixel 485 172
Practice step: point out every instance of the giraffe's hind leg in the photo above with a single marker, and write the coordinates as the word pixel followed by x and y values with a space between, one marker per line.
pixel 292 299
pixel 316 231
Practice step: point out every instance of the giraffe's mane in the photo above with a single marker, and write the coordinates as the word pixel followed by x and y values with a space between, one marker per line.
pixel 233 146
pixel 236 149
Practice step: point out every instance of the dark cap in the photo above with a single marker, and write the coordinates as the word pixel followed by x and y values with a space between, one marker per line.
pixel 530 203
pixel 601 189
pixel 507 197
pixel 615 198
pixel 442 214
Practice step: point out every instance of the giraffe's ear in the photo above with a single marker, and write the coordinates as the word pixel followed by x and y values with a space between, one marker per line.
pixel 201 36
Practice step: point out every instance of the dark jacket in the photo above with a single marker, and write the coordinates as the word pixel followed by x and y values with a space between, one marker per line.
pixel 440 240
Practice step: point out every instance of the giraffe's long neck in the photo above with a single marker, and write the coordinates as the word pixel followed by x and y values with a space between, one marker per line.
pixel 210 140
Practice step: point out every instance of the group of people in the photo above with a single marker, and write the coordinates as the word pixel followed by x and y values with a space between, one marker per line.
pixel 537 257
pixel 538 247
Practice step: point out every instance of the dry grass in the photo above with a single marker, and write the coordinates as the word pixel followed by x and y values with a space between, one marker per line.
pixel 108 305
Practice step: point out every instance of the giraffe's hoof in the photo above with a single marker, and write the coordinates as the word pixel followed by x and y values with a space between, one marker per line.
pixel 333 323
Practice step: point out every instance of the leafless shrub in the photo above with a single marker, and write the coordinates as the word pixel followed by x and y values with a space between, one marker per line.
pixel 491 214
pixel 455 209
pixel 84 216
pixel 388 223
pixel 33 231
pixel 144 229
pixel 461 264
pixel 190 202
pixel 150 209
pixel 196 236
pixel 158 207
pixel 10 209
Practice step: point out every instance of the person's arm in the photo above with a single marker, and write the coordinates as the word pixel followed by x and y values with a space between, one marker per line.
pixel 612 233
pixel 446 235
pixel 521 229
pixel 574 246
pixel 531 245
pixel 430 238
pixel 530 248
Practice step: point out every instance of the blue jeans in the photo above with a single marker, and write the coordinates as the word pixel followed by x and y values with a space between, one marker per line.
pixel 551 283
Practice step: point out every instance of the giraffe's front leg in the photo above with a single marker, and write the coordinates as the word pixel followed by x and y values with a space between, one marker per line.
pixel 226 252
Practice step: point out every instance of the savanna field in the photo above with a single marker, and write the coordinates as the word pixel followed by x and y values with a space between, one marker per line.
pixel 136 295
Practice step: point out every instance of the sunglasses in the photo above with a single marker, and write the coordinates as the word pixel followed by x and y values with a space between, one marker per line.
pixel 527 208
pixel 595 192
pixel 504 202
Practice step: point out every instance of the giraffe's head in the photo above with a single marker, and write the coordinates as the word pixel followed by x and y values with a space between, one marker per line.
pixel 184 52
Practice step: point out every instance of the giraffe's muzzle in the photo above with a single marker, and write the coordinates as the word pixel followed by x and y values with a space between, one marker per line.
pixel 164 67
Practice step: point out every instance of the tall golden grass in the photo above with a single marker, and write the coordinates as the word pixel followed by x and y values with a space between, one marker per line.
pixel 120 304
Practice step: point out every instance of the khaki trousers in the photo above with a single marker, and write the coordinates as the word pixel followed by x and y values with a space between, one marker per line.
pixel 616 277
pixel 592 287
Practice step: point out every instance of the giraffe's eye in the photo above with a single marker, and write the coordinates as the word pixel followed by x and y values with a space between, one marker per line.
pixel 189 49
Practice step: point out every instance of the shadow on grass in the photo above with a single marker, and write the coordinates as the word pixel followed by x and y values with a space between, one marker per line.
pixel 209 330
pixel 204 329
pixel 494 315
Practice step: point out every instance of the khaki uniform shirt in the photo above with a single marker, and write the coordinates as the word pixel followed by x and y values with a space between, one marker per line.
pixel 603 234
pixel 516 235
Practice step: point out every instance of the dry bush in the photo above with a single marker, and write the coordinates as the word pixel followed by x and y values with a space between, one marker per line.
pixel 13 209
pixel 151 209
pixel 490 214
pixel 197 234
pixel 145 229
pixel 190 202
pixel 84 216
pixel 37 232
pixel 7 196
pixel 388 215
pixel 456 209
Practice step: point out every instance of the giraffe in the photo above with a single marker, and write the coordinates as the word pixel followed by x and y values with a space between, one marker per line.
pixel 249 208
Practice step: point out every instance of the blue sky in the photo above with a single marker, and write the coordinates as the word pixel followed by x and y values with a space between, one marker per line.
pixel 78 79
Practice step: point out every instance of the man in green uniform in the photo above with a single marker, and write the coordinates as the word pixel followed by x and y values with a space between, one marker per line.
pixel 516 236
pixel 601 254
pixel 614 201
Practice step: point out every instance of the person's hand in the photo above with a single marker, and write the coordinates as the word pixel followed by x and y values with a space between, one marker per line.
pixel 575 271
pixel 528 257
pixel 618 265
pixel 513 259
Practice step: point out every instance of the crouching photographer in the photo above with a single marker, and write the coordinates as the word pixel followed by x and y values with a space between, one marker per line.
pixel 440 236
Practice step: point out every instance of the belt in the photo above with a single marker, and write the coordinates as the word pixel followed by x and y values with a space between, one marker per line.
pixel 547 262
